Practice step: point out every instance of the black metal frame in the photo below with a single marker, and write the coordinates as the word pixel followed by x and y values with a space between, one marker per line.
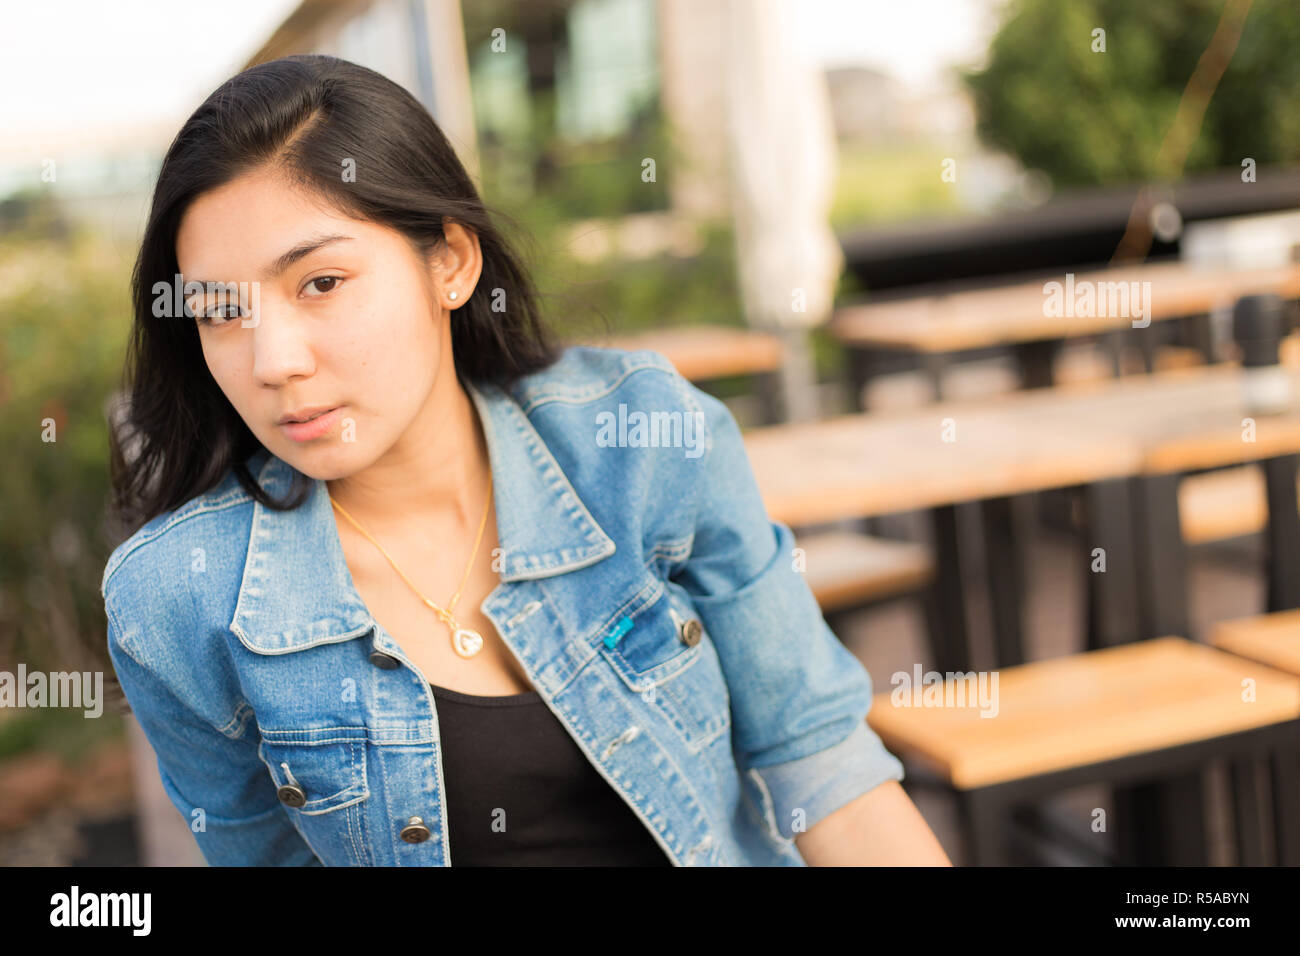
pixel 1162 606
pixel 1142 594
pixel 985 811
pixel 838 618
pixel 1035 358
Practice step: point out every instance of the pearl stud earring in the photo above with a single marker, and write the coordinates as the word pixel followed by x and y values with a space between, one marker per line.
pixel 452 295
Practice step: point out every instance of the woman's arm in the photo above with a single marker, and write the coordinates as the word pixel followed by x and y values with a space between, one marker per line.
pixel 882 827
pixel 214 779
pixel 799 698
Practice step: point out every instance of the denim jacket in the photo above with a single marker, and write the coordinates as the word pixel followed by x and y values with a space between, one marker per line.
pixel 653 604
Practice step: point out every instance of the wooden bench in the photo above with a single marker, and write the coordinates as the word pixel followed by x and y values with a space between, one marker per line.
pixel 1223 504
pixel 1174 356
pixel 1013 312
pixel 930 328
pixel 703 352
pixel 1272 639
pixel 1261 787
pixel 1136 712
pixel 1219 505
pixel 847 570
pixel 1230 502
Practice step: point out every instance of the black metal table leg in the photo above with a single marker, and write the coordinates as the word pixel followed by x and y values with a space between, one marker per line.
pixel 1147 343
pixel 1200 334
pixel 984 824
pixel 1037 362
pixel 935 365
pixel 767 387
pixel 1284 780
pixel 1162 824
pixel 863 364
pixel 949 634
pixel 1108 543
pixel 1283 535
pixel 1113 345
pixel 1003 550
pixel 1161 556
pixel 1243 775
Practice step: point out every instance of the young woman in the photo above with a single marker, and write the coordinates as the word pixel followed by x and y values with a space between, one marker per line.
pixel 411 585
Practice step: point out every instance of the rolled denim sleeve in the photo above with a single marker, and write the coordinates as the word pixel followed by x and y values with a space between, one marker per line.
pixel 206 768
pixel 799 697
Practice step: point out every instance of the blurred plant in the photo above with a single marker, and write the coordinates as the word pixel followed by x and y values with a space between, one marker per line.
pixel 875 184
pixel 64 315
pixel 1087 117
pixel 603 180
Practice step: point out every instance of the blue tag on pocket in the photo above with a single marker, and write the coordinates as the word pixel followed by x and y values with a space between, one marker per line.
pixel 621 627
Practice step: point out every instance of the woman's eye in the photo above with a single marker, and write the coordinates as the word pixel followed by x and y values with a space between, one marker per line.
pixel 221 314
pixel 332 283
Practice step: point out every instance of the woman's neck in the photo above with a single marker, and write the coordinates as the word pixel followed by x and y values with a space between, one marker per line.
pixel 438 470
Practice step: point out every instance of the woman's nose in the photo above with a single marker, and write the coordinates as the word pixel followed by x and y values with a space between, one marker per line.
pixel 282 346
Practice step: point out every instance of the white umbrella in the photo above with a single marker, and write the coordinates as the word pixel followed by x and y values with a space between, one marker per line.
pixel 782 150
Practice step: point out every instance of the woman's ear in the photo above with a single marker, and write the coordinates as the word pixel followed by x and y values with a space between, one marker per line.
pixel 461 263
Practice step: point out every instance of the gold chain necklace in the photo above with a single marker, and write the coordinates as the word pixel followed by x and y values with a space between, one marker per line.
pixel 465 641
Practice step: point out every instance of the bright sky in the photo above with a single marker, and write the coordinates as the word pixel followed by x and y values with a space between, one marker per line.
pixel 110 63
pixel 70 66
pixel 914 40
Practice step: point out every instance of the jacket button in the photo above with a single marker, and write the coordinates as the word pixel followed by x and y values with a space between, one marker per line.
pixel 291 795
pixel 415 831
pixel 691 631
pixel 385 661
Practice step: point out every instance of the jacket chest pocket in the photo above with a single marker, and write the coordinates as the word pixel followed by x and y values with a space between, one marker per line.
pixel 320 780
pixel 668 658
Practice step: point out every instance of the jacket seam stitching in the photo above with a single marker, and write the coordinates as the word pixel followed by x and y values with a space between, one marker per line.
pixel 231 499
pixel 125 648
pixel 584 398
pixel 671 549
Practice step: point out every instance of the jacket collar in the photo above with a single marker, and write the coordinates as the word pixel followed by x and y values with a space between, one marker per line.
pixel 297 590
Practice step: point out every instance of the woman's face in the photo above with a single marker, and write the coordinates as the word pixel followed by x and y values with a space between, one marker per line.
pixel 343 315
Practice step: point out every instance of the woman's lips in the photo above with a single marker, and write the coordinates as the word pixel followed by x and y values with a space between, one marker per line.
pixel 313 428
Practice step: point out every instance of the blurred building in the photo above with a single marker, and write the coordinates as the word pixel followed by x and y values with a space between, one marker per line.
pixel 95 178
pixel 419 44
pixel 867 104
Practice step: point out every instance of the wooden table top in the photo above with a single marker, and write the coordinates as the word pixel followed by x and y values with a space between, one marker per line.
pixel 1009 314
pixel 877 463
pixel 1083 709
pixel 1272 639
pixel 701 352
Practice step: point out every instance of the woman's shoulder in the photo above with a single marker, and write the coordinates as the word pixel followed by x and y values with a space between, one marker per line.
pixel 586 373
pixel 601 377
pixel 176 543
pixel 596 399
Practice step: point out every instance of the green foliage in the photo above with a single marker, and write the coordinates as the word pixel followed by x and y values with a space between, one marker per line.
pixel 875 185
pixel 64 316
pixel 603 181
pixel 1087 117
pixel 65 731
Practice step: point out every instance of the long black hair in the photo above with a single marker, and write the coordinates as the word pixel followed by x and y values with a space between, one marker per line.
pixel 179 435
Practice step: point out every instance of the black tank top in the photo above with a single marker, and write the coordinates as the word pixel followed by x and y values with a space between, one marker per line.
pixel 521 793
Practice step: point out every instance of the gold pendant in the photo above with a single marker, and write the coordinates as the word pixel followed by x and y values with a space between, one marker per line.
pixel 466 642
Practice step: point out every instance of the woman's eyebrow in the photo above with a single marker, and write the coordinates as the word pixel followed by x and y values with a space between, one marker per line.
pixel 301 250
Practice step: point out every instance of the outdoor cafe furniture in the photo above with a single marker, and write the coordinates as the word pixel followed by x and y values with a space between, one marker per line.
pixel 1140 713
pixel 930 328
pixel 1274 641
pixel 705 353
